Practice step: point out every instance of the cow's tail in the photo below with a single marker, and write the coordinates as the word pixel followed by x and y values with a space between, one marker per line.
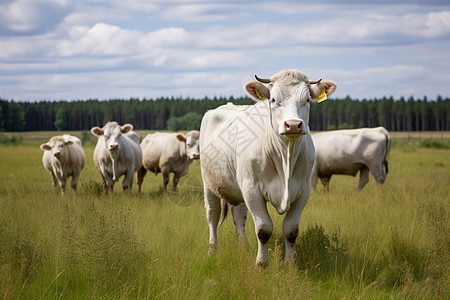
pixel 224 211
pixel 388 147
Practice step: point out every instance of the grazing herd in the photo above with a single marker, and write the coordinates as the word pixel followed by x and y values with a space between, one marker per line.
pixel 250 155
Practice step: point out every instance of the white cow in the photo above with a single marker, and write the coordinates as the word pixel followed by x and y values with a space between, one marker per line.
pixel 117 153
pixel 168 153
pixel 254 154
pixel 349 151
pixel 63 157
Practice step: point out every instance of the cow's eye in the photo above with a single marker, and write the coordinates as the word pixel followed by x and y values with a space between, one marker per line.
pixel 307 100
pixel 189 145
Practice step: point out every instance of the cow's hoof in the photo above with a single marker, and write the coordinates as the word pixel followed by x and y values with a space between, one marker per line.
pixel 212 249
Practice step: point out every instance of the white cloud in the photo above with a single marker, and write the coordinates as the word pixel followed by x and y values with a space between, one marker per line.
pixel 28 17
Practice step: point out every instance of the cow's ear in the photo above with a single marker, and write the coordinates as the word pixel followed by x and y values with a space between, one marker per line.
pixel 126 128
pixel 46 147
pixel 327 86
pixel 181 138
pixel 97 131
pixel 257 90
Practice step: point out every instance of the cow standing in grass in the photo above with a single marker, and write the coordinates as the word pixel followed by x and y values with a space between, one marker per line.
pixel 348 152
pixel 117 153
pixel 254 154
pixel 164 152
pixel 64 157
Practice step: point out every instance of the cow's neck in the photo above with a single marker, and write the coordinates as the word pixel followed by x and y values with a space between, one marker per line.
pixel 283 153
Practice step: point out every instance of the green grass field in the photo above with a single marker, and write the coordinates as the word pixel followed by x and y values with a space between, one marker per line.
pixel 385 242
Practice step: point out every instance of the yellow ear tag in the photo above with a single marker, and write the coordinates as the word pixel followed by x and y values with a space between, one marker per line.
pixel 257 94
pixel 322 96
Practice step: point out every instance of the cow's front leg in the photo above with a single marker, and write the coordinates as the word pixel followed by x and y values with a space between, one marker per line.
pixel 127 182
pixel 363 177
pixel 166 172
pixel 73 184
pixel 62 183
pixel 54 180
pixel 109 182
pixel 140 177
pixel 176 179
pixel 290 226
pixel 263 224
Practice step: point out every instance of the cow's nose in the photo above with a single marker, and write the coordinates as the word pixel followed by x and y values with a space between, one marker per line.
pixel 113 146
pixel 293 126
pixel 195 156
pixel 57 154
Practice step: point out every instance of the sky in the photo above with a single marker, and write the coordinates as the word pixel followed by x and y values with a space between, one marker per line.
pixel 110 49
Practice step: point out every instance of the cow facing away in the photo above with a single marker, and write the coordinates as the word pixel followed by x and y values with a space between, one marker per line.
pixel 64 157
pixel 349 151
pixel 168 153
pixel 117 153
pixel 254 154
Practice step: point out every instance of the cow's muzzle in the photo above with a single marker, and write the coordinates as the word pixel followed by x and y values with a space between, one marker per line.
pixel 293 127
pixel 195 156
pixel 113 147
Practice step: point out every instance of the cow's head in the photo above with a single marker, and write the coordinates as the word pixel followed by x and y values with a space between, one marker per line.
pixel 112 133
pixel 57 145
pixel 289 94
pixel 191 141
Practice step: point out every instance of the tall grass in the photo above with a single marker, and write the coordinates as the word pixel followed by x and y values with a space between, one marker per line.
pixel 387 241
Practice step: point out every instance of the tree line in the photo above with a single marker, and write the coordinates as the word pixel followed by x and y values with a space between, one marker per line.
pixel 185 114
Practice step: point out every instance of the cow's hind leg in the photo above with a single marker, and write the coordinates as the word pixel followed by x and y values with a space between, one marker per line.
pixel 326 182
pixel 377 172
pixel 239 213
pixel 363 177
pixel 140 177
pixel 213 210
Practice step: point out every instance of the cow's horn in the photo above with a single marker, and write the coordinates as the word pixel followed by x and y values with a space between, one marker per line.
pixel 262 80
pixel 315 81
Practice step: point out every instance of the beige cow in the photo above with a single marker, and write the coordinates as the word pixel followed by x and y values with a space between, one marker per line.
pixel 117 153
pixel 64 157
pixel 165 152
pixel 348 152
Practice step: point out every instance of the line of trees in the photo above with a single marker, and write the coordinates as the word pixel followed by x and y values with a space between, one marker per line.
pixel 183 114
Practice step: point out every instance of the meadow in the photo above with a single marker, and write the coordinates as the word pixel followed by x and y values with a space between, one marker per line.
pixel 385 242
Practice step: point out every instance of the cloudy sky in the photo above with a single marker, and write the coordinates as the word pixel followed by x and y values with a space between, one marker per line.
pixel 103 49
